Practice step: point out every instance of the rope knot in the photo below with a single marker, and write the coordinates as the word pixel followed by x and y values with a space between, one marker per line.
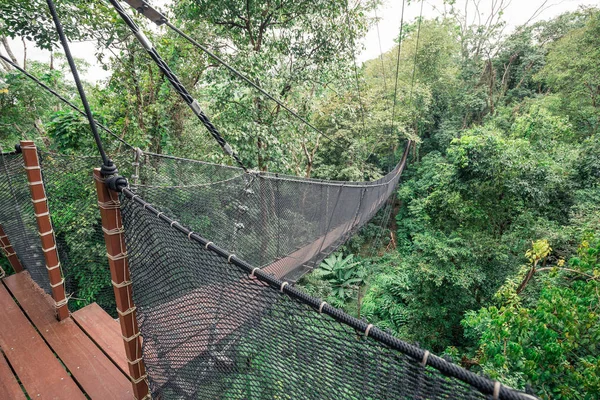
pixel 109 169
pixel 116 183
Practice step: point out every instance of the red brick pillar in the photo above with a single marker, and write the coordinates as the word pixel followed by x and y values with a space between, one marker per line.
pixel 42 216
pixel 9 252
pixel 112 226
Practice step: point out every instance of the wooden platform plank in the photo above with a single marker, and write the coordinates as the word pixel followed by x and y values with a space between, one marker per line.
pixel 9 387
pixel 39 370
pixel 105 331
pixel 95 373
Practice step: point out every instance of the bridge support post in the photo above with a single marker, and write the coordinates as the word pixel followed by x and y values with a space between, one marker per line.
pixel 112 226
pixel 9 251
pixel 42 217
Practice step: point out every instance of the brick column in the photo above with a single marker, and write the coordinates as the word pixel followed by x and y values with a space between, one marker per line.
pixel 9 252
pixel 112 226
pixel 42 216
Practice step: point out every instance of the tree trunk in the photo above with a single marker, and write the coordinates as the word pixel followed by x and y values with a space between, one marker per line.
pixel 7 67
pixel 8 49
pixel 138 93
pixel 24 54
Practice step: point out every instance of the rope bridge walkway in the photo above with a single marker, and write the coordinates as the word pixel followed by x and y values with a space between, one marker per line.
pixel 284 224
pixel 213 324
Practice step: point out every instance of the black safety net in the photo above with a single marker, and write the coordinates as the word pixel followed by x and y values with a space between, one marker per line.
pixel 18 219
pixel 283 224
pixel 214 327
pixel 72 200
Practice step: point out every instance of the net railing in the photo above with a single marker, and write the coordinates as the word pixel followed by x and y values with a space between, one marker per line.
pixel 72 200
pixel 284 224
pixel 18 219
pixel 216 327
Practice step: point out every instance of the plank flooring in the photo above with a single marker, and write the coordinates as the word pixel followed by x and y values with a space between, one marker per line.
pixel 9 387
pixel 43 358
pixel 104 331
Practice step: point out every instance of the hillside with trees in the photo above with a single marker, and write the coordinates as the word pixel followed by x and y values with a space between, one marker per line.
pixel 489 252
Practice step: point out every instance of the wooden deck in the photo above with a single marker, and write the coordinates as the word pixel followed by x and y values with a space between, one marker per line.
pixel 41 358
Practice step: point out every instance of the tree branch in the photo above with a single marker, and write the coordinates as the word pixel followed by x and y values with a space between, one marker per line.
pixel 595 278
pixel 8 49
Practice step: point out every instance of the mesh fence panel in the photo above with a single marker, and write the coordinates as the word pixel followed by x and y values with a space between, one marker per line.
pixel 212 332
pixel 18 219
pixel 284 224
pixel 77 226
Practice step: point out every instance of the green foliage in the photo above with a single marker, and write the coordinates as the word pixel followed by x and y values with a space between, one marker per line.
pixel 507 153
pixel 343 274
pixel 291 49
pixel 571 72
pixel 338 279
pixel 70 133
pixel 553 343
pixel 24 105
pixel 30 19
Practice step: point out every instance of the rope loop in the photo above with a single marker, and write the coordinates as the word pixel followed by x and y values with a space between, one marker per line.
pixel 53 268
pixel 57 284
pixel 109 205
pixel 253 271
pixel 126 312
pixel 112 232
pixel 229 259
pixel 497 386
pixel 321 307
pixel 120 285
pixel 369 327
pixel 130 338
pixel 63 302
pixel 284 284
pixel 117 257
pixel 49 249
pixel 190 235
pixel 141 378
pixel 132 362
pixel 425 357
pixel 50 232
pixel 207 244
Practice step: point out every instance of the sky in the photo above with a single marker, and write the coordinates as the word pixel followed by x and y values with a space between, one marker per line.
pixel 517 13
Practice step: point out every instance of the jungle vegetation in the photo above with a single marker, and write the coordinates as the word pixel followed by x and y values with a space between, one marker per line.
pixel 490 250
